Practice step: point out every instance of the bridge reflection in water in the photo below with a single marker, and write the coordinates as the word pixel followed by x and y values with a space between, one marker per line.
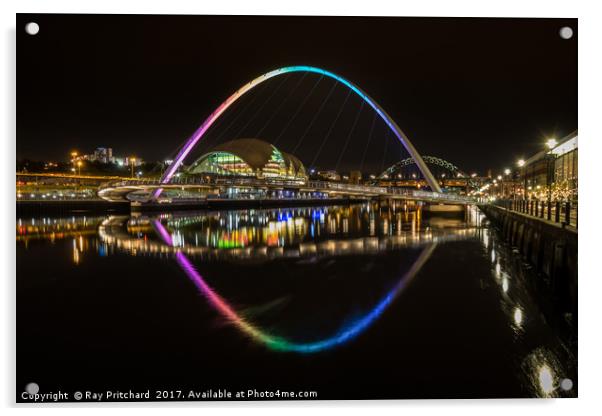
pixel 311 280
pixel 298 232
pixel 282 233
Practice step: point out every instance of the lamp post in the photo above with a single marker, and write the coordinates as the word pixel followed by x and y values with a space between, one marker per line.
pixel 79 167
pixel 521 163
pixel 551 143
pixel 132 162
pixel 73 161
pixel 507 173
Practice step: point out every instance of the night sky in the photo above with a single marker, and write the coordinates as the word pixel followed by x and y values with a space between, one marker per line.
pixel 478 92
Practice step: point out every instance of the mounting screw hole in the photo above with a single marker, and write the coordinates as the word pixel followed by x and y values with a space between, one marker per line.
pixel 566 384
pixel 32 388
pixel 566 32
pixel 32 28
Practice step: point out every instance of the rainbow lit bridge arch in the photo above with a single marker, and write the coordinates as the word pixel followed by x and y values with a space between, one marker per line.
pixel 200 132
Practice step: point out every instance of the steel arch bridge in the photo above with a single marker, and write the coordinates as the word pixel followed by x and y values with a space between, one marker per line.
pixel 430 160
pixel 203 128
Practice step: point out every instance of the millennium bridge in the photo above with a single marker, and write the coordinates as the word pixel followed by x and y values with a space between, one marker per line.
pixel 140 190
pixel 149 191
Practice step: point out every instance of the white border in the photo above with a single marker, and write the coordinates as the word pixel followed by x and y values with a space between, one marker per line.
pixel 590 96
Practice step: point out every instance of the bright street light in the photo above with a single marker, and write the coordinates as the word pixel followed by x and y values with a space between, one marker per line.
pixel 73 156
pixel 499 177
pixel 520 163
pixel 551 143
pixel 506 171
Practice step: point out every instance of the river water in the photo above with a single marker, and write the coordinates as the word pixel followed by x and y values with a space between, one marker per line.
pixel 349 302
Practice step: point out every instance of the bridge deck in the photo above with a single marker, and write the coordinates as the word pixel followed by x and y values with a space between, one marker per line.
pixel 119 190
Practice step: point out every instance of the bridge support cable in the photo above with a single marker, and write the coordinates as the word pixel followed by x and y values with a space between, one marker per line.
pixel 317 155
pixel 314 118
pixel 237 116
pixel 290 94
pixel 261 107
pixel 382 162
pixel 357 117
pixel 200 132
pixel 368 142
pixel 288 123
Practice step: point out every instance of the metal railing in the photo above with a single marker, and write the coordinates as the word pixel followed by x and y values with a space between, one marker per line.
pixel 313 185
pixel 562 212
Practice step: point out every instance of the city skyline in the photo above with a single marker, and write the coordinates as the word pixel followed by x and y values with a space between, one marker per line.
pixel 150 93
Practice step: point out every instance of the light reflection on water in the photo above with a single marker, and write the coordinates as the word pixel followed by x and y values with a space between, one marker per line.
pixel 542 368
pixel 232 232
pixel 305 234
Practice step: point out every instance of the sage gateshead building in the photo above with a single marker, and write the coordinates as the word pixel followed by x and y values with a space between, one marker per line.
pixel 249 158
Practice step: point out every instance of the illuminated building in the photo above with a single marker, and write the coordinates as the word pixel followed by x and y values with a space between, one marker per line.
pixel 250 158
pixel 329 175
pixel 552 173
pixel 103 155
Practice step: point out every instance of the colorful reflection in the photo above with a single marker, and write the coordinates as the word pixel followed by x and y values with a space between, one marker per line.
pixel 297 232
pixel 49 228
pixel 278 343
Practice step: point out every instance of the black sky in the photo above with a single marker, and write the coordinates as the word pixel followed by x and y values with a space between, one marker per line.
pixel 478 92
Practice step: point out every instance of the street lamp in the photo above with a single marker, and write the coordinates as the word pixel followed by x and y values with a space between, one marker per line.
pixel 132 162
pixel 73 161
pixel 79 167
pixel 551 143
pixel 521 164
pixel 507 171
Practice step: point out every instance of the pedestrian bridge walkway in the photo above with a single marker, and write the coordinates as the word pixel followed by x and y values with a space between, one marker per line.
pixel 139 190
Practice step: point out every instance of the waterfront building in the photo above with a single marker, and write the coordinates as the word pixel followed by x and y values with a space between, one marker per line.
pixel 552 173
pixel 102 155
pixel 249 158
